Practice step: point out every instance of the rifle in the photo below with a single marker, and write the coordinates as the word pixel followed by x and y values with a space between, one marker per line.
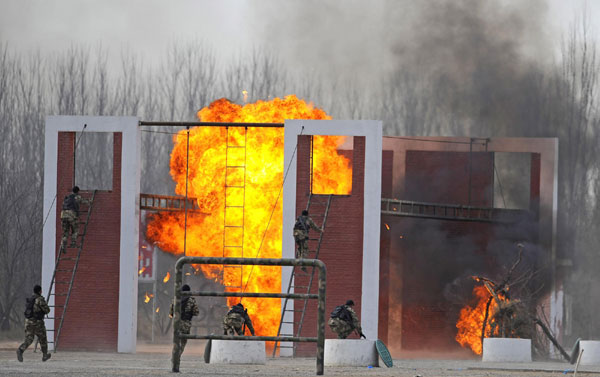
pixel 244 328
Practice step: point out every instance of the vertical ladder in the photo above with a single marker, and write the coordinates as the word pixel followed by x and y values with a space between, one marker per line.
pixel 313 200
pixel 235 200
pixel 58 267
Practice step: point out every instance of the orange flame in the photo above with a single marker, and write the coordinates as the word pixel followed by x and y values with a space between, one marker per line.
pixel 141 270
pixel 387 226
pixel 261 153
pixel 470 320
pixel 167 277
pixel 146 298
pixel 157 308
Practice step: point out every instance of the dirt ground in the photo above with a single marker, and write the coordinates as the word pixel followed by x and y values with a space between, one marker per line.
pixel 155 361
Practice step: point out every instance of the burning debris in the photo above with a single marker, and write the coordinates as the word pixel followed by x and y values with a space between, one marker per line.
pixel 497 315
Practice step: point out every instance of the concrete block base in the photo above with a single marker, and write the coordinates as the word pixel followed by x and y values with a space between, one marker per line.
pixel 591 353
pixel 506 350
pixel 350 353
pixel 238 352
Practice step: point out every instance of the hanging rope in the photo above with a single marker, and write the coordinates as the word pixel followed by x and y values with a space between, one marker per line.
pixel 499 185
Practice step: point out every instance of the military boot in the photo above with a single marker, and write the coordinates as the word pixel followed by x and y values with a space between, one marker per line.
pixel 19 355
pixel 46 356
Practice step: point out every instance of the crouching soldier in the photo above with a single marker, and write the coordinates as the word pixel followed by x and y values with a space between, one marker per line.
pixel 236 320
pixel 35 310
pixel 189 309
pixel 343 321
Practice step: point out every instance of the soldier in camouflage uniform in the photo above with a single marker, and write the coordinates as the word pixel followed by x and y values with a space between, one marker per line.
pixel 35 310
pixel 70 217
pixel 301 229
pixel 235 320
pixel 344 320
pixel 189 309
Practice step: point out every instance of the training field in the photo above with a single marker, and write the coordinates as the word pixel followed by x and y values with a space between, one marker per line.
pixel 156 362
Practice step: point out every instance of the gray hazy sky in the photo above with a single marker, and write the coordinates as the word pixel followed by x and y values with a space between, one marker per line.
pixel 148 26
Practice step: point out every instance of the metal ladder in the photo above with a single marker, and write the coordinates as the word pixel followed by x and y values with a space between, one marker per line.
pixel 73 269
pixel 235 200
pixel 312 201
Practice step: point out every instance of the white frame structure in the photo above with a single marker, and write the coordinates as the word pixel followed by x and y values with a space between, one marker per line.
pixel 372 131
pixel 130 193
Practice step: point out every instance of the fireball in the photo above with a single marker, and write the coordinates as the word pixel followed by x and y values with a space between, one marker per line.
pixel 236 174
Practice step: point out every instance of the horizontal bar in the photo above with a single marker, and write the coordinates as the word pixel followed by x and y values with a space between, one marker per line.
pixel 251 294
pixel 209 124
pixel 252 261
pixel 256 338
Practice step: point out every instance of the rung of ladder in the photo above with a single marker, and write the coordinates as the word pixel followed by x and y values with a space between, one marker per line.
pixel 234 226
pixel 232 246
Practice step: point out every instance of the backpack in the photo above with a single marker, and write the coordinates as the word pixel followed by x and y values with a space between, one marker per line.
pixel 237 309
pixel 301 224
pixel 342 313
pixel 70 203
pixel 29 313
pixel 186 315
pixel 29 302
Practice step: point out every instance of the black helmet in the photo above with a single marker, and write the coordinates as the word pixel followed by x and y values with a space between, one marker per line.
pixel 185 287
pixel 76 189
pixel 305 213
pixel 37 289
pixel 240 305
pixel 350 303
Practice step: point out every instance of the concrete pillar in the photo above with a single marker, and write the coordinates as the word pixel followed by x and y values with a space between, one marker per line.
pixel 350 353
pixel 591 354
pixel 238 352
pixel 506 350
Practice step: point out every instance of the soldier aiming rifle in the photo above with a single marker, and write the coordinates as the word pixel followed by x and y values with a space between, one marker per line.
pixel 343 321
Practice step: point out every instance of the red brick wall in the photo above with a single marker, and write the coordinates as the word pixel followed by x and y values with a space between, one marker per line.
pixel 91 320
pixel 342 245
pixel 387 166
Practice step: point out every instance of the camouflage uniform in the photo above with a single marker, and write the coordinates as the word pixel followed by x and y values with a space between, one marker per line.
pixel 234 321
pixel 35 327
pixel 343 328
pixel 189 309
pixel 70 218
pixel 301 234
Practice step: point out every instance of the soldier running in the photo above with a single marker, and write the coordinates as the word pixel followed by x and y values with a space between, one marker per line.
pixel 189 309
pixel 35 310
pixel 236 320
pixel 344 320
pixel 301 229
pixel 70 217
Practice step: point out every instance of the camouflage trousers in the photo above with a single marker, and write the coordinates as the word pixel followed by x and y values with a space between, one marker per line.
pixel 33 328
pixel 232 324
pixel 340 327
pixel 301 239
pixel 184 328
pixel 70 224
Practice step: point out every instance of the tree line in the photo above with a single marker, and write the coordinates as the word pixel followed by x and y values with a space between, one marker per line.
pixel 558 100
